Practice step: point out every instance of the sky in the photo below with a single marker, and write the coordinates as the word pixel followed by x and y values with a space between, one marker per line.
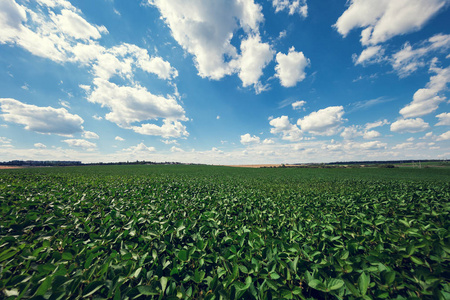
pixel 224 81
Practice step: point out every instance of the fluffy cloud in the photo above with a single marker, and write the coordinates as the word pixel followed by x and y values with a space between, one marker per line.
pixel 169 129
pixel 75 26
pixel 45 120
pixel 444 137
pixel 409 125
pixel 205 29
pixel 324 121
pixel 4 140
pixel 376 124
pixel 409 59
pixel 139 149
pixel 129 104
pixel 248 139
pixel 293 6
pixel 79 143
pixel 289 132
pixel 90 135
pixel 176 149
pixel 384 19
pixel 370 55
pixel 427 100
pixel 371 134
pixel 444 119
pixel 298 104
pixel 255 56
pixel 290 67
pixel 118 138
pixel 40 146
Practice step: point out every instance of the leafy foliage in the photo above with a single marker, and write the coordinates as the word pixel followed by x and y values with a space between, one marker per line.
pixel 219 233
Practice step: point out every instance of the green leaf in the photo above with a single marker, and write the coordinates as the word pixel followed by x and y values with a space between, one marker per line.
pixel 92 288
pixel 363 283
pixel 198 276
pixel 274 276
pixel 183 255
pixel 67 256
pixel 317 285
pixel 45 285
pixel 8 254
pixel 416 260
pixel 334 284
pixel 163 282
pixel 147 290
pixel 388 277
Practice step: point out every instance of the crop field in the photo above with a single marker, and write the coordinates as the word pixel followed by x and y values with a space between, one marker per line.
pixel 204 232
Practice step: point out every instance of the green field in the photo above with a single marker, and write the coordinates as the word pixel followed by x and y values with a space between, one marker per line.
pixel 203 232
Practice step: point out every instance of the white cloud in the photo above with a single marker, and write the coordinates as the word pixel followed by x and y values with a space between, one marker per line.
pixel 371 134
pixel 133 104
pixel 168 142
pixel 384 19
pixel 169 129
pixel 427 100
pixel 374 145
pixel 97 117
pixel 74 25
pixel 376 124
pixel 176 149
pixel 444 137
pixel 205 28
pixel 268 142
pixel 139 149
pixel 4 140
pixel 351 132
pixel 79 143
pixel 40 146
pixel 45 120
pixel 409 125
pixel 90 135
pixel 255 56
pixel 403 146
pixel 218 117
pixel 444 119
pixel 289 132
pixel 324 121
pixel 371 54
pixel 293 6
pixel 118 138
pixel 290 68
pixel 407 60
pixel 298 104
pixel 248 139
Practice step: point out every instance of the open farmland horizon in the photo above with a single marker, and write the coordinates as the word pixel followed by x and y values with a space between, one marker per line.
pixel 224 82
pixel 216 232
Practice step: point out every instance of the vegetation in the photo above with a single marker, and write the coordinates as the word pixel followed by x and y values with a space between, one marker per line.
pixel 199 232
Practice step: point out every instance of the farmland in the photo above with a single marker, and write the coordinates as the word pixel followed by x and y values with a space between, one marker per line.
pixel 203 232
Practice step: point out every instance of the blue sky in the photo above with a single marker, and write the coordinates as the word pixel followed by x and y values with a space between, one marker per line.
pixel 224 82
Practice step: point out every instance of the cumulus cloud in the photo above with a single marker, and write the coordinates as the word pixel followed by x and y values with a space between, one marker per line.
pixel 409 125
pixel 248 139
pixel 298 104
pixel 129 104
pixel 289 132
pixel 45 120
pixel 40 146
pixel 169 129
pixel 268 142
pixel 255 56
pixel 385 19
pixel 444 119
pixel 355 131
pixel 371 134
pixel 444 137
pixel 371 54
pixel 290 68
pixel 323 122
pixel 409 58
pixel 176 149
pixel 118 138
pixel 292 6
pixel 376 124
pixel 80 143
pixel 140 148
pixel 205 29
pixel 427 100
pixel 90 135
pixel 75 26
pixel 4 140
